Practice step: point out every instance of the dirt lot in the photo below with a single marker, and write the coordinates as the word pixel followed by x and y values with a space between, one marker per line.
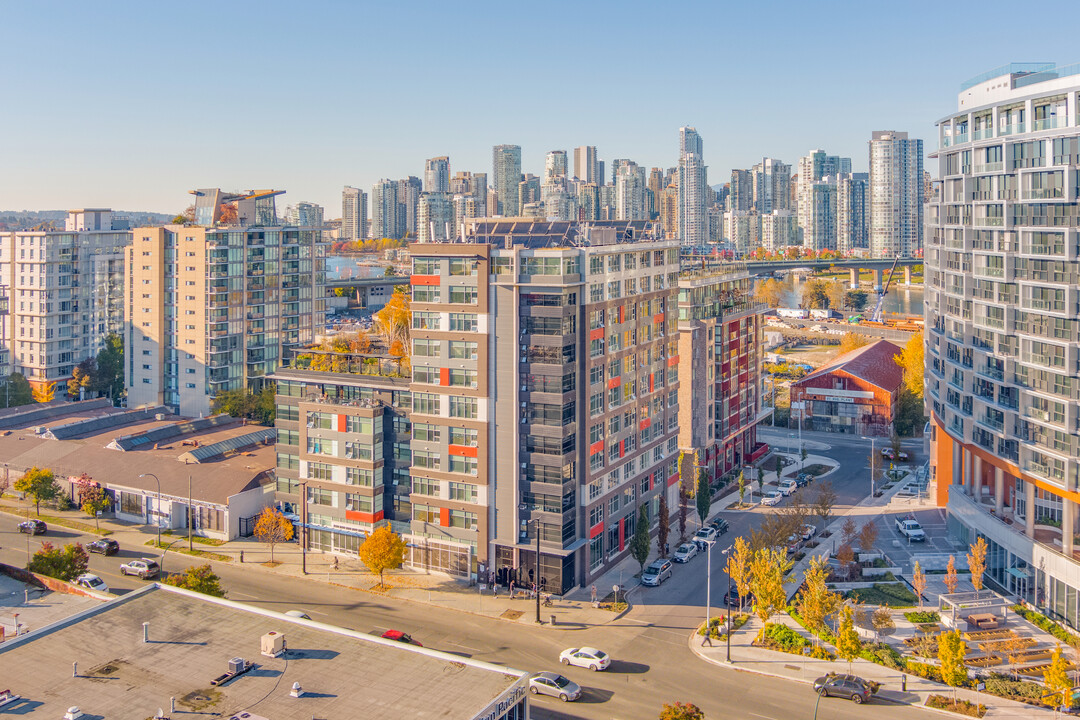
pixel 816 355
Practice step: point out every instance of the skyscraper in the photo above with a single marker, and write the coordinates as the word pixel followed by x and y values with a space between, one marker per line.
pixel 587 165
pixel 772 186
pixel 437 174
pixel 435 217
pixel 555 165
pixel 741 190
pixel 629 191
pixel 693 222
pixel 812 169
pixel 528 192
pixel 896 194
pixel 852 218
pixel 354 214
pixel 506 174
pixel 385 218
pixel 409 190
pixel 304 214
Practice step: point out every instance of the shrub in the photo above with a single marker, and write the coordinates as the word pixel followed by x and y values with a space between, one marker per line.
pixel 1046 624
pixel 962 707
pixel 782 637
pixel 893 594
pixel 882 654
pixel 1021 690
pixel 919 617
pixel 930 672
pixel 818 652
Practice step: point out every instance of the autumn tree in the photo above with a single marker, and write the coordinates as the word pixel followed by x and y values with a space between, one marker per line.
pixel 815 294
pixel 951 651
pixel 639 541
pixel 909 416
pixel 65 563
pixel 845 555
pixel 40 484
pixel 82 378
pixel 849 530
pixel 868 534
pixel 45 393
pixel 738 567
pixel 771 292
pixel 836 291
pixel 681 711
pixel 767 570
pixel 824 503
pixel 272 527
pixel 1057 680
pixel 918 581
pixel 951 580
pixel 663 526
pixel 816 601
pixel 852 341
pixel 382 550
pixel 977 564
pixel 94 500
pixel 394 322
pixel 848 643
pixel 198 578
pixel 882 621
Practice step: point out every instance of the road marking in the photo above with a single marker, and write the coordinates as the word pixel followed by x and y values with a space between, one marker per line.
pixel 253 597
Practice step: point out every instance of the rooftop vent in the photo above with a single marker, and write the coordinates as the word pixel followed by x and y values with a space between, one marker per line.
pixel 73 713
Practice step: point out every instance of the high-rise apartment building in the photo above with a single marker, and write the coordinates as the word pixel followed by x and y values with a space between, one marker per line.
pixel 214 309
pixel 555 165
pixel 528 192
pixel 588 202
pixel 630 191
pixel 354 214
pixel 779 229
pixel 386 219
pixel 587 165
pixel 304 214
pixel 820 214
pixel 437 175
pixel 435 217
pixel 896 194
pixel 65 294
pixel 505 175
pixel 772 186
pixel 409 190
pixel 814 168
pixel 669 211
pixel 852 212
pixel 692 184
pixel 1003 328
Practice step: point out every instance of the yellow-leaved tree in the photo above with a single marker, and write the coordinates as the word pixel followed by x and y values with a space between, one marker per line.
pixel 394 323
pixel 738 567
pixel 44 393
pixel 382 550
pixel 272 527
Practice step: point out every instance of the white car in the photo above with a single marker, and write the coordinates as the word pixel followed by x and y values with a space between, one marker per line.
pixel 788 486
pixel 586 657
pixel 91 582
pixel 684 552
pixel 772 497
pixel 808 531
pixel 704 536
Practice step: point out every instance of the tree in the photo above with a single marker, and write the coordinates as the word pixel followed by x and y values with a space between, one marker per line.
pixel 94 500
pixel 868 534
pixel 639 542
pixel 977 563
pixel 951 581
pixel 824 502
pixel 40 484
pixel 681 711
pixel 738 567
pixel 82 378
pixel 771 292
pixel 742 487
pixel 951 651
pixel 63 564
pixel 836 293
pixel 845 555
pixel 243 403
pixel 911 361
pixel 382 550
pixel 272 527
pixel 663 526
pixel 918 581
pixel 848 531
pixel 781 463
pixel 198 578
pixel 394 321
pixel 1057 680
pixel 703 496
pixel 760 478
pixel 852 341
pixel 767 570
pixel 883 621
pixel 848 643
pixel 815 294
pixel 17 391
pixel 684 495
pixel 45 393
pixel 817 601
pixel 855 299
pixel 109 378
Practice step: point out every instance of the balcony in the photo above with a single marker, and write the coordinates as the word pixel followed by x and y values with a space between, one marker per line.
pixel 983 134
pixel 1049 123
pixel 1012 129
pixel 1009 530
pixel 981 168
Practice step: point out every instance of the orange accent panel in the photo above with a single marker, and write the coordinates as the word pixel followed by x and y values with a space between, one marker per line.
pixel 462 451
pixel 597 334
pixel 444 376
pixel 673 361
pixel 658 318
pixel 651 387
pixel 622 448
pixel 364 516
pixel 444 517
pixel 596 447
pixel 596 530
pixel 647 422
pixel 341 423
pixel 425 279
pixel 673 479
pixel 614 383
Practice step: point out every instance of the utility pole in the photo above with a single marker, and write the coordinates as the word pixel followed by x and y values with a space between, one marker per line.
pixel 303 528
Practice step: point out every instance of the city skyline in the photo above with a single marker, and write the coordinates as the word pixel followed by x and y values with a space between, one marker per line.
pixel 81 134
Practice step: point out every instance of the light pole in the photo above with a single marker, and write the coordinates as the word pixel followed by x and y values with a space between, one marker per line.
pixel 158 506
pixel 708 590
pixel 303 528
pixel 873 458
pixel 536 582
pixel 727 602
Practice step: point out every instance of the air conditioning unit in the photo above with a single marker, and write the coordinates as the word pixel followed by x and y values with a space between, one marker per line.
pixel 159 416
pixel 272 644
pixel 39 429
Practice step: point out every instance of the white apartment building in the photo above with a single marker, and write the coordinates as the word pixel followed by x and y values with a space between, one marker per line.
pixel 692 185
pixel 354 213
pixel 896 194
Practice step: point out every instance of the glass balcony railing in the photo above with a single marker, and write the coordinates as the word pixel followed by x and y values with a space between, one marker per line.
pixel 1049 123
pixel 983 134
pixel 1012 129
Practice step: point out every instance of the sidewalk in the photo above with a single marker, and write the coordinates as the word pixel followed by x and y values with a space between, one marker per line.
pixel 757 660
pixel 417 586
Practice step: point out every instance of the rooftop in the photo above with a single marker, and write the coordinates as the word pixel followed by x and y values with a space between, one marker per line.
pixel 873 363
pixel 192 639
pixel 532 233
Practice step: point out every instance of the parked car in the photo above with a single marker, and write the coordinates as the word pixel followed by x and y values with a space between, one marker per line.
pixel 772 498
pixel 586 657
pixel 794 542
pixel 144 568
pixel 808 531
pixel 401 637
pixel 803 479
pixel 889 454
pixel 298 614
pixel 684 552
pixel 731 599
pixel 852 687
pixel 91 582
pixel 719 524
pixel 554 684
pixel 656 573
pixel 703 536
pixel 33 527
pixel 105 546
pixel 911 529
pixel 787 487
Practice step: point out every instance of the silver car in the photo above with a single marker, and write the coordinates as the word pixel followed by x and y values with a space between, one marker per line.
pixel 555 685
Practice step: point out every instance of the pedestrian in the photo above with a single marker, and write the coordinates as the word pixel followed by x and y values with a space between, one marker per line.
pixel 667 549
pixel 241 556
pixel 511 589
pixel 592 593
pixel 495 591
pixel 543 584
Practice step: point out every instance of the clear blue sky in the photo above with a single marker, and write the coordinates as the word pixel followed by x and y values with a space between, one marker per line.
pixel 131 104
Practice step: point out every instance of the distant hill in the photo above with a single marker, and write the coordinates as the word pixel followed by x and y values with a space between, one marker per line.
pixel 23 219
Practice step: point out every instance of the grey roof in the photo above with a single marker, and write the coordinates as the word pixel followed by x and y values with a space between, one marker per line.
pixel 229 445
pixel 559 233
pixel 192 638
pixel 162 434
pixel 90 425
pixel 24 415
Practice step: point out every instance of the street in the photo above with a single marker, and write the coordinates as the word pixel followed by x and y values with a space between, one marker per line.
pixel 651 664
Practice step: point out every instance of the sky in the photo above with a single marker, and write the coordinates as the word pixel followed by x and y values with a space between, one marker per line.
pixel 130 105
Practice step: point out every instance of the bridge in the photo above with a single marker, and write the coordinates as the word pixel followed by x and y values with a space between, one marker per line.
pixel 879 266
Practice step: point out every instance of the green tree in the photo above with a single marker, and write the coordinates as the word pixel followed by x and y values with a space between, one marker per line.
pixel 703 496
pixel 684 495
pixel 639 542
pixel 855 299
pixel 17 391
pixel 382 550
pixel 272 527
pixel 243 403
pixel 781 463
pixel 951 651
pixel 82 377
pixel 40 484
pixel 198 578
pixel 802 458
pixel 94 500
pixel 815 294
pixel 109 378
pixel 63 564
pixel 760 478
pixel 663 526
pixel 848 643
pixel 1057 680
pixel 681 711
pixel 742 487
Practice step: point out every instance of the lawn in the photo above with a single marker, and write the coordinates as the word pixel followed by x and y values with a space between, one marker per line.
pixel 54 520
pixel 895 595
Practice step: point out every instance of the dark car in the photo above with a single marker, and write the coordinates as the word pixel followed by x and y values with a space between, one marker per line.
pixel 851 687
pixel 720 525
pixel 105 546
pixel 803 479
pixel 731 600
pixel 33 527
pixel 400 637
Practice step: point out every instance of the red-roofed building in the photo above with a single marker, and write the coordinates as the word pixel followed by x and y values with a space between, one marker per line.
pixel 856 393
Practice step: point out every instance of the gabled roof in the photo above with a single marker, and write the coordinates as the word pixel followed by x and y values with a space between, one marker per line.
pixel 873 363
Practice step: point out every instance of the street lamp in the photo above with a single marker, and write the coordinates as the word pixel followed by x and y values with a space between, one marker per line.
pixel 536 584
pixel 873 458
pixel 158 506
pixel 303 528
pixel 708 590
pixel 727 601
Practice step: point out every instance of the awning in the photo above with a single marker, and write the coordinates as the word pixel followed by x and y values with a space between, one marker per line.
pixel 1019 574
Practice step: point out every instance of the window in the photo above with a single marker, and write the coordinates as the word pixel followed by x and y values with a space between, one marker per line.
pixel 614 289
pixel 360 425
pixel 321 446
pixel 463 266
pixel 462 519
pixel 320 496
pixel 462 378
pixel 426 403
pixel 425 486
pixel 463 295
pixel 426 375
pixel 425 513
pixel 427 348
pixel 426 266
pixel 358 451
pixel 465 465
pixel 460 322
pixel 467 437
pixel 131 503
pixel 359 476
pixel 426 432
pixel 359 503
pixel 462 349
pixel 426 320
pixel 320 471
pixel 596 292
pixel 425 459
pixel 596 404
pixel 427 294
pixel 463 407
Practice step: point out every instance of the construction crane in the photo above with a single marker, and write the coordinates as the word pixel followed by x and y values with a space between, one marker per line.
pixel 876 316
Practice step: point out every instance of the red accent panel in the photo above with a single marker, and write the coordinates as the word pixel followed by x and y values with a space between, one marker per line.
pixel 614 382
pixel 673 479
pixel 596 529
pixel 622 533
pixel 658 318
pixel 651 387
pixel 622 448
pixel 652 480
pixel 425 279
pixel 341 423
pixel 622 316
pixel 462 450
pixel 673 361
pixel 597 334
pixel 596 447
pixel 363 516
pixel 647 422
pixel 444 517
pixel 444 376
